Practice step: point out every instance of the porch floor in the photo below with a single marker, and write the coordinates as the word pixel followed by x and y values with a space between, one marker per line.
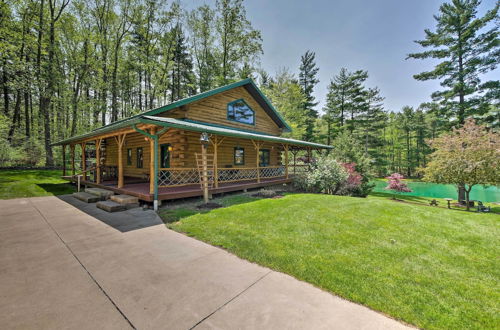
pixel 141 189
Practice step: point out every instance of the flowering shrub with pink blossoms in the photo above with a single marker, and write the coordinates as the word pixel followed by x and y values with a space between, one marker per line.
pixel 395 183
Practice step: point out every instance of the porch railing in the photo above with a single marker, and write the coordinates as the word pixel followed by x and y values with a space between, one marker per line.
pixel 175 177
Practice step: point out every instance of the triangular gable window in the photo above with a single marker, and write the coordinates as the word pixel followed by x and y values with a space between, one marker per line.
pixel 241 112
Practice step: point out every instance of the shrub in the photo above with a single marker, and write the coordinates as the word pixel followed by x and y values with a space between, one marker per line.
pixel 32 152
pixel 394 183
pixel 327 175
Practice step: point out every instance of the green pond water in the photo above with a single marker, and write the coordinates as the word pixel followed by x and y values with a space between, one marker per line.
pixel 425 189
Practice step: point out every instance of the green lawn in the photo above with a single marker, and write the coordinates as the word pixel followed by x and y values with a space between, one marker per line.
pixel 431 267
pixel 32 183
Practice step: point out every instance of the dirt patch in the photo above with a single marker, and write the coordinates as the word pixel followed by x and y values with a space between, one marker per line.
pixel 208 206
pixel 267 193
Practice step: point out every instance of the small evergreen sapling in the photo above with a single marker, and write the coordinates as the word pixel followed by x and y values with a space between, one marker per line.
pixel 395 183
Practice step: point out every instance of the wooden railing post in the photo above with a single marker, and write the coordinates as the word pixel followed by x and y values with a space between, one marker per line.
pixel 98 160
pixel 120 139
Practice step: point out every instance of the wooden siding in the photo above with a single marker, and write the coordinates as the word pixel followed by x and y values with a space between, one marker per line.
pixel 213 109
pixel 184 147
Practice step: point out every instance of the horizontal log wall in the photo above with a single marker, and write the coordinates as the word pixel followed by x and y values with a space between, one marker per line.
pixel 214 110
pixel 184 147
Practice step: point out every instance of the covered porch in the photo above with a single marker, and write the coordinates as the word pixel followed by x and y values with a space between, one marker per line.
pixel 201 149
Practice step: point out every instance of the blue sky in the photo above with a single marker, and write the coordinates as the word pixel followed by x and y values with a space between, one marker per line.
pixel 356 34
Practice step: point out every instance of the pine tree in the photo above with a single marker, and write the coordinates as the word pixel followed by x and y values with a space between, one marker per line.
pixel 307 81
pixel 181 73
pixel 466 48
pixel 337 100
pixel 371 123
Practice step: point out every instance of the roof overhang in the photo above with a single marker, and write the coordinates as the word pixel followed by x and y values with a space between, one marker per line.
pixel 195 127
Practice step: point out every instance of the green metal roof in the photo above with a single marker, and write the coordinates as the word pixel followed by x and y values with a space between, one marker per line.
pixel 198 127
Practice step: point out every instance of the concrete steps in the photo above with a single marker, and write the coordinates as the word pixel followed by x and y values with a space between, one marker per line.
pixel 110 206
pixel 107 200
pixel 86 197
pixel 103 194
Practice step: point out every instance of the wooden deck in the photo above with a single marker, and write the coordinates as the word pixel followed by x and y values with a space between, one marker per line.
pixel 141 189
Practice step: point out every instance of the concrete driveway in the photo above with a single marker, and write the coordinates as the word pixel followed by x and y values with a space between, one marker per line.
pixel 62 268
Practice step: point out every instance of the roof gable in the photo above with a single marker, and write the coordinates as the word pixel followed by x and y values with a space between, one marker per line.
pixel 248 84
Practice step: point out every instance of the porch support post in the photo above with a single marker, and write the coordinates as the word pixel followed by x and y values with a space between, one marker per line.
pixel 216 172
pixel 152 151
pixel 216 142
pixel 72 149
pixel 120 139
pixel 64 159
pixel 84 167
pixel 155 157
pixel 286 161
pixel 204 147
pixel 294 153
pixel 257 146
pixel 98 160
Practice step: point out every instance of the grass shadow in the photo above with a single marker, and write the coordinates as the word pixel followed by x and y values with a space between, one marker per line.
pixel 57 188
pixel 189 209
pixel 417 199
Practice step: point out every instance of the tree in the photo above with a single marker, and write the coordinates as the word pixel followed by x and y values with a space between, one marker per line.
pixel 307 81
pixel 240 43
pixel 182 77
pixel 201 26
pixel 337 100
pixel 395 183
pixel 407 124
pixel 348 150
pixel 467 156
pixel 287 97
pixel 466 48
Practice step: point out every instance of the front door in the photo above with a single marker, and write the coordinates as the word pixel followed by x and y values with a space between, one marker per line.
pixel 264 157
pixel 165 155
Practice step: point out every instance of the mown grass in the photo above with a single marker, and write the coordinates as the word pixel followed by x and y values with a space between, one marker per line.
pixel 427 200
pixel 170 215
pixel 431 267
pixel 32 183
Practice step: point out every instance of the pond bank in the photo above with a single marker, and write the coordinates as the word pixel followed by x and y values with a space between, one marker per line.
pixel 488 194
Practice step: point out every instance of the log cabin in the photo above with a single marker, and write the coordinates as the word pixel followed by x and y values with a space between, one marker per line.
pixel 226 139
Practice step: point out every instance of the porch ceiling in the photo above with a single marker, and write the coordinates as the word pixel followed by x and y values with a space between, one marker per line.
pixel 224 131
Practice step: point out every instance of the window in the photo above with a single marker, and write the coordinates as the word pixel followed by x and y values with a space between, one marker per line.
pixel 240 111
pixel 139 158
pixel 129 156
pixel 239 156
pixel 264 157
pixel 165 155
